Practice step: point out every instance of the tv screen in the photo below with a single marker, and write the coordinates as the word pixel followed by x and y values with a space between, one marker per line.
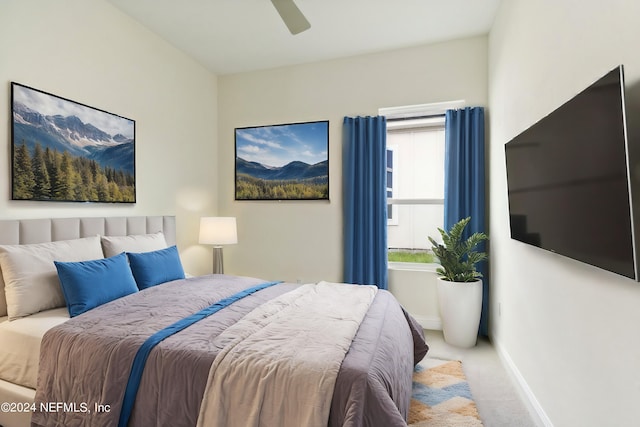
pixel 568 180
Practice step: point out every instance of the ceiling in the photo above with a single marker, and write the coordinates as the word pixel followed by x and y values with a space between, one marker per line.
pixel 231 36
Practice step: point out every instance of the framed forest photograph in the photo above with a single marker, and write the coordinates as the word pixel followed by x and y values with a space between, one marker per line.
pixel 65 151
pixel 282 162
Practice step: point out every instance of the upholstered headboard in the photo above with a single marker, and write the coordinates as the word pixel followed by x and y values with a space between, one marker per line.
pixel 27 231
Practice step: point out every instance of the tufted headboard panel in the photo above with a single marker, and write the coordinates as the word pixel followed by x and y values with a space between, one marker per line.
pixel 26 231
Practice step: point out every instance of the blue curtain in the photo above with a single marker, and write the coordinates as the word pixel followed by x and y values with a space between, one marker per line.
pixel 464 184
pixel 365 201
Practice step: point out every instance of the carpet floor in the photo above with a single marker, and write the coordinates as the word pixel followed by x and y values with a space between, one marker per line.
pixel 441 396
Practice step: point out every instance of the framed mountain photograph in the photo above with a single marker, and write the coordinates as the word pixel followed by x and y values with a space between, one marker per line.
pixel 283 162
pixel 66 151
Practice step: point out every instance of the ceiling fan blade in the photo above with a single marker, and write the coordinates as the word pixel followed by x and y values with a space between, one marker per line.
pixel 291 15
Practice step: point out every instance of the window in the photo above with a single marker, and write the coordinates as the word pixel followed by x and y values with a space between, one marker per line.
pixel 415 175
pixel 416 188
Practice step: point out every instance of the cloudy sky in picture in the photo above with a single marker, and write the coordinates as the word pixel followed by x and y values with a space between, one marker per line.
pixel 51 105
pixel 279 145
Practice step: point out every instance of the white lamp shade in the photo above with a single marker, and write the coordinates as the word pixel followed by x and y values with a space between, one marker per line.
pixel 218 231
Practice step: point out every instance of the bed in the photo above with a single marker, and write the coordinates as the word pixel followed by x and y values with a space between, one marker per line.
pixel 133 360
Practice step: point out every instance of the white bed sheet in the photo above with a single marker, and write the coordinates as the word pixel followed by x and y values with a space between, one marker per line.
pixel 20 345
pixel 11 393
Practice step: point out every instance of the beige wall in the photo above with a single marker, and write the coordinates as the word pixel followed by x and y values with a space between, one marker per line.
pixel 303 240
pixel 567 329
pixel 91 53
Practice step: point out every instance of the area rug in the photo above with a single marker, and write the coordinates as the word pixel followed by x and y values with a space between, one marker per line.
pixel 441 396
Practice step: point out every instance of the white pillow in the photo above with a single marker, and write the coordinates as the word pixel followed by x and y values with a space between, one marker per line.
pixel 114 245
pixel 30 276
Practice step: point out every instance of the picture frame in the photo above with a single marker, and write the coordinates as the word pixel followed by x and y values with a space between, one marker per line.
pixel 65 151
pixel 282 162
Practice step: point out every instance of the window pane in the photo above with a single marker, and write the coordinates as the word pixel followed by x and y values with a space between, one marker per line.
pixel 417 173
pixel 414 224
pixel 419 163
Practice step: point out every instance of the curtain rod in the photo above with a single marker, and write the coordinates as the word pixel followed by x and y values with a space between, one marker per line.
pixel 399 119
pixel 420 109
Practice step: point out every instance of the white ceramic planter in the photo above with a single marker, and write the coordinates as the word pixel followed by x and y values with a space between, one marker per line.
pixel 460 308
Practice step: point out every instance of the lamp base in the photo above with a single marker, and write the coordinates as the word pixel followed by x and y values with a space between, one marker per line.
pixel 218 263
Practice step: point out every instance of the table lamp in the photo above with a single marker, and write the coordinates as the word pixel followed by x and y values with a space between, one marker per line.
pixel 218 231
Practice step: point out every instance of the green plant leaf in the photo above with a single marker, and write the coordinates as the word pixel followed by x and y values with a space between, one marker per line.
pixel 457 257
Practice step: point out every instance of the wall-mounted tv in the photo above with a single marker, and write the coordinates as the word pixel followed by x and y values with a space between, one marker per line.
pixel 568 180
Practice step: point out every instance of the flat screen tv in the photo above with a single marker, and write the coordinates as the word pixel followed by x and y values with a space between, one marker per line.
pixel 568 180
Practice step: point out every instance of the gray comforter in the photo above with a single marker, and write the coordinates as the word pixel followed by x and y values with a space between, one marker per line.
pixel 85 362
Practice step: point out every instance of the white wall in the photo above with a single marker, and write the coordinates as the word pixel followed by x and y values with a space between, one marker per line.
pixel 89 52
pixel 569 329
pixel 417 291
pixel 303 240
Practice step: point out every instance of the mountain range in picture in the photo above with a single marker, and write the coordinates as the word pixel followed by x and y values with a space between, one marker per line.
pixel 70 133
pixel 293 171
pixel 294 181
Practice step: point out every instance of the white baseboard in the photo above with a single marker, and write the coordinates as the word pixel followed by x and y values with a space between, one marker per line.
pixel 530 399
pixel 432 323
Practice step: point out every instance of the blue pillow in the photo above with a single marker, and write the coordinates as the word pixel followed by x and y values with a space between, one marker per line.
pixel 156 267
pixel 88 284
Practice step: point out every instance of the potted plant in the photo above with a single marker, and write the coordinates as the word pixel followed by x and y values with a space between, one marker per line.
pixel 459 284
